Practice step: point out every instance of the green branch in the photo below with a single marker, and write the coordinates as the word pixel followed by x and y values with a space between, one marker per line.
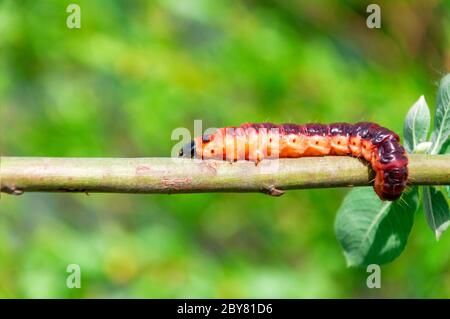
pixel 169 176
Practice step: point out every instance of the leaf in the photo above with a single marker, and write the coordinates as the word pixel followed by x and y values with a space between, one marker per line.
pixel 422 148
pixel 372 231
pixel 442 116
pixel 445 149
pixel 416 125
pixel 436 210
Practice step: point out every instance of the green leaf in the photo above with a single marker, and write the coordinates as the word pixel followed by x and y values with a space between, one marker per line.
pixel 442 116
pixel 448 190
pixel 416 125
pixel 422 148
pixel 445 149
pixel 436 210
pixel 372 231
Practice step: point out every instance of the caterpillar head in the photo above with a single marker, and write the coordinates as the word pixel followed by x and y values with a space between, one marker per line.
pixel 188 150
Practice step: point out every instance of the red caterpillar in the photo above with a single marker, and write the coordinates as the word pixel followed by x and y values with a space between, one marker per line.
pixel 377 145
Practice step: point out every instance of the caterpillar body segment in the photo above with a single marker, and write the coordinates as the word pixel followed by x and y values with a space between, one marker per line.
pixel 256 141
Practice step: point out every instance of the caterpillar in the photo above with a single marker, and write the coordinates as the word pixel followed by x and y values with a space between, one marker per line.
pixel 378 145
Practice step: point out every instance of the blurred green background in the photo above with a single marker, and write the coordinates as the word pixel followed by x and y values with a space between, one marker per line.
pixel 135 71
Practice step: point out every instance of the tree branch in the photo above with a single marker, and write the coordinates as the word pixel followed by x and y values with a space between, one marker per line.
pixel 177 175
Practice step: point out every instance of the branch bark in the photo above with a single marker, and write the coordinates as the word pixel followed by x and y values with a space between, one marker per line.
pixel 176 175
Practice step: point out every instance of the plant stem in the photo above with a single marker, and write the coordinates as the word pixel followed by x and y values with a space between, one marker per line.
pixel 168 175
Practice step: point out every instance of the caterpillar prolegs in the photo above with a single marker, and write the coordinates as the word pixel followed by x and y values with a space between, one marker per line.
pixel 256 141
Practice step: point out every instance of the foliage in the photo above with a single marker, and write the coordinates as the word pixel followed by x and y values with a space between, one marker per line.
pixel 416 125
pixel 373 232
pixel 442 118
pixel 436 210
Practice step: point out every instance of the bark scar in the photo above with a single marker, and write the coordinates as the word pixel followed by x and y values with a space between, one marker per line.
pixel 142 169
pixel 273 191
pixel 12 190
pixel 176 183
